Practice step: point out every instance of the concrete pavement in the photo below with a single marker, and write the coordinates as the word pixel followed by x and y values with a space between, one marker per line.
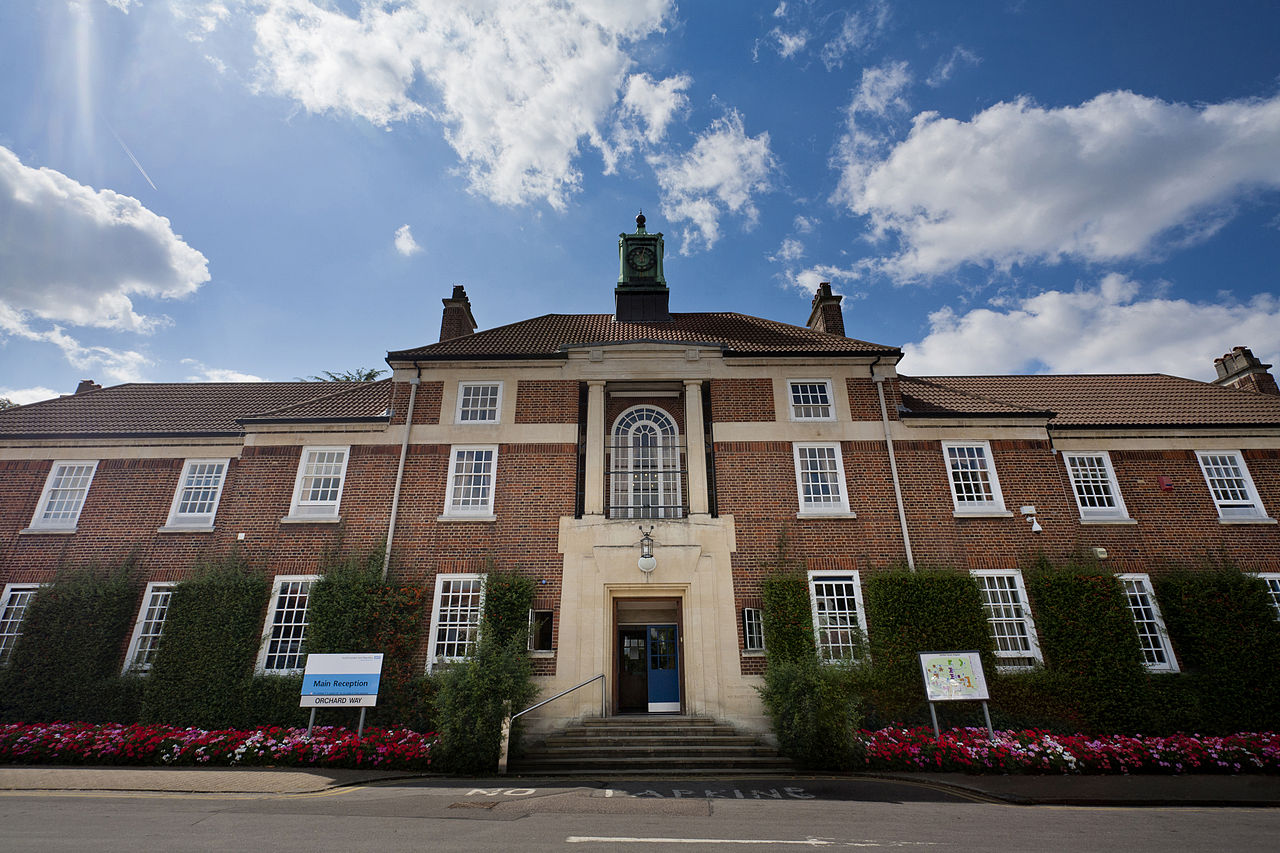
pixel 1190 790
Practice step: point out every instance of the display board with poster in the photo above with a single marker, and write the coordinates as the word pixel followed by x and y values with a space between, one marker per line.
pixel 954 677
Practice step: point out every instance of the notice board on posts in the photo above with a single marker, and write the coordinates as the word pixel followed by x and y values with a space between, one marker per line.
pixel 953 676
pixel 341 681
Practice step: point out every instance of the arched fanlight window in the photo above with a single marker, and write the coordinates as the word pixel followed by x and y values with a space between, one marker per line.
pixel 644 466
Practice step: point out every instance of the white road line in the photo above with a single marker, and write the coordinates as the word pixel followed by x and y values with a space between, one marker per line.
pixel 807 842
pixel 601 839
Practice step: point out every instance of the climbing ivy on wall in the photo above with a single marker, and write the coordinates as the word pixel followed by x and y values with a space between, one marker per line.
pixel 352 609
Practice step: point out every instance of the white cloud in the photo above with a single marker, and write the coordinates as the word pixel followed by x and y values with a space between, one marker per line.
pixel 789 44
pixel 1116 177
pixel 118 365
pixel 790 250
pixel 858 31
pixel 807 280
pixel 719 175
pixel 1102 329
pixel 405 244
pixel 519 85
pixel 76 255
pixel 217 374
pixel 655 103
pixel 947 65
pixel 805 224
pixel 880 91
pixel 122 5
pixel 23 396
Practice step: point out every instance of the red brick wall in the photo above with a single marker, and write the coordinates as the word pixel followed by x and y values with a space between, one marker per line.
pixel 757 486
pixel 742 400
pixel 864 400
pixel 426 405
pixel 546 401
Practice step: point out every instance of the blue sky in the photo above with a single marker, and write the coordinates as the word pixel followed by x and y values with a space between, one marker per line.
pixel 226 190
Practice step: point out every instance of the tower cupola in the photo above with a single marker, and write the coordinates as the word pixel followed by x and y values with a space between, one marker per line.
pixel 641 294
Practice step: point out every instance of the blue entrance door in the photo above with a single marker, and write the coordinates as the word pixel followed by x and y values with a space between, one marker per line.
pixel 664 669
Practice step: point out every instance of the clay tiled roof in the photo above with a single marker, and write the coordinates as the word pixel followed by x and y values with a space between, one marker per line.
pixel 364 400
pixel 552 334
pixel 1123 400
pixel 927 398
pixel 186 408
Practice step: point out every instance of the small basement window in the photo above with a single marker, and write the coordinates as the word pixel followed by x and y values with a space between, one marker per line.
pixel 541 630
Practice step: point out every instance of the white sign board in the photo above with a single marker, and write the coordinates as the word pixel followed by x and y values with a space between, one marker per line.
pixel 341 681
pixel 953 676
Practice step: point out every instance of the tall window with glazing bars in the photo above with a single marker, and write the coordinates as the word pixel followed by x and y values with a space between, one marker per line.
pixel 645 466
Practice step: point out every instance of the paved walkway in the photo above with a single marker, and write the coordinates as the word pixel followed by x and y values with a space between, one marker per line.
pixel 1194 790
pixel 211 780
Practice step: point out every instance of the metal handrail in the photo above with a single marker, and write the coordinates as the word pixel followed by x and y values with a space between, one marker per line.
pixel 506 724
pixel 565 693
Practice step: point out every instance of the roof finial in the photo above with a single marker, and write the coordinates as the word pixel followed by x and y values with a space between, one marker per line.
pixel 640 221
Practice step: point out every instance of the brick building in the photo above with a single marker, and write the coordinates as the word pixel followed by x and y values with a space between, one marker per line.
pixel 562 445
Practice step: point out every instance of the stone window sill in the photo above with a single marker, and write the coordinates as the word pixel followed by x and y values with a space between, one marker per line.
pixel 453 518
pixel 542 653
pixel 825 514
pixel 983 513
pixel 1230 521
pixel 311 519
pixel 57 531
pixel 1104 521
pixel 753 653
pixel 188 528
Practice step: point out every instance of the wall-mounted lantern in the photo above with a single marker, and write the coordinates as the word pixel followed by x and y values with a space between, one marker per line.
pixel 647 561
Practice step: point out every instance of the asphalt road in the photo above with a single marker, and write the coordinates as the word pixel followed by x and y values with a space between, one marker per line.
pixel 647 816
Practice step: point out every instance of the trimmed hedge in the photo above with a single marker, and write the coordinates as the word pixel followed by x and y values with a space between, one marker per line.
pixel 1227 641
pixel 66 663
pixel 203 670
pixel 1089 642
pixel 787 618
pixel 913 612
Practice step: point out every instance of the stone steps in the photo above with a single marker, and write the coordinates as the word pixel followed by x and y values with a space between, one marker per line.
pixel 658 745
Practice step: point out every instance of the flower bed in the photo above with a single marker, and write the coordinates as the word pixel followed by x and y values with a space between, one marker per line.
pixel 890 749
pixel 972 751
pixel 169 746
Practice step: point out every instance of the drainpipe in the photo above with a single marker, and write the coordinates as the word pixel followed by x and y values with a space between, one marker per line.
pixel 893 464
pixel 404 452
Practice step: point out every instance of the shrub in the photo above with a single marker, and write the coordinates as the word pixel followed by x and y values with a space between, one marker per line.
pixel 814 709
pixel 205 658
pixel 474 696
pixel 66 663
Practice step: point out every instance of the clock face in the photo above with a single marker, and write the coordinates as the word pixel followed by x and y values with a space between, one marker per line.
pixel 641 258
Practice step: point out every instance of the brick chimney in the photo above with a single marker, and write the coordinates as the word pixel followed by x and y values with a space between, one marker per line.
pixel 826 315
pixel 1241 369
pixel 87 385
pixel 457 320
